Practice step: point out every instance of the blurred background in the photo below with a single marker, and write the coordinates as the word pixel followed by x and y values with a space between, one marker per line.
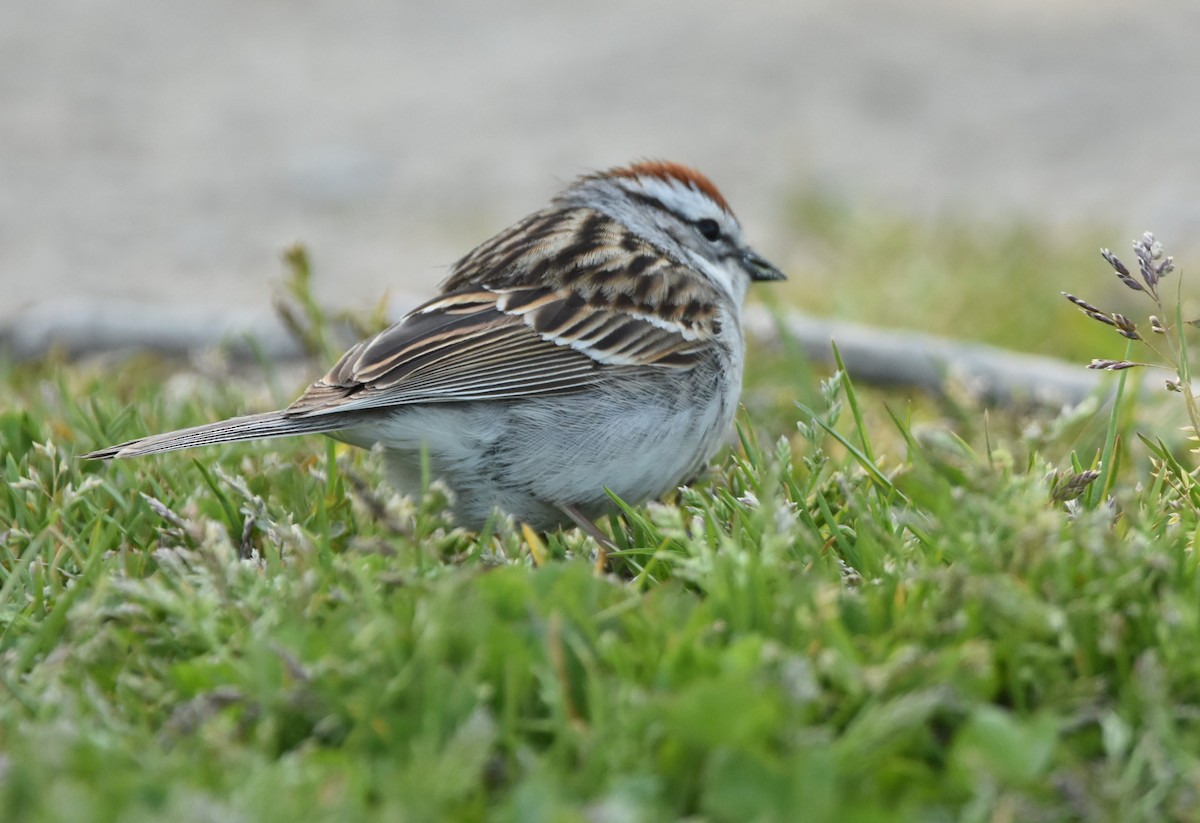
pixel 167 152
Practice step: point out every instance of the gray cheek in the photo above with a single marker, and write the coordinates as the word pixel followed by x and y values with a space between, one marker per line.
pixel 681 236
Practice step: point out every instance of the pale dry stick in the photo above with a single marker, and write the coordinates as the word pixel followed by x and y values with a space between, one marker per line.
pixel 889 357
pixel 873 356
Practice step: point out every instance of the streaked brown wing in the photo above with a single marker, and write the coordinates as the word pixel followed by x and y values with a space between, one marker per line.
pixel 490 345
pixel 596 257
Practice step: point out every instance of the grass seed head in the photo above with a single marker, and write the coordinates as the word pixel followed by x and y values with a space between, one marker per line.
pixel 1125 326
pixel 1088 309
pixel 1149 252
pixel 1122 272
pixel 1114 365
pixel 1064 487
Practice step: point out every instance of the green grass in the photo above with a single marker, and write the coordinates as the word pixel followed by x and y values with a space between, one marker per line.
pixel 874 609
pixel 996 283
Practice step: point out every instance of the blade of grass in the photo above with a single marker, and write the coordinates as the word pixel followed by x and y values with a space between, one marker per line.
pixel 867 463
pixel 852 400
pixel 1099 491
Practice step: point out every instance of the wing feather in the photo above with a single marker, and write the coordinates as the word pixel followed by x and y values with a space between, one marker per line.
pixel 494 344
pixel 555 303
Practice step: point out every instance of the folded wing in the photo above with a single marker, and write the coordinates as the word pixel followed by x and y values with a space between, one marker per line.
pixel 485 344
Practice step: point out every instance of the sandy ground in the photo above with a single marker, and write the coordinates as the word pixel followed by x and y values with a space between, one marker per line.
pixel 165 152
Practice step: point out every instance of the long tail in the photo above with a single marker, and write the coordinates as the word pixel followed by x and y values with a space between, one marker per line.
pixel 250 427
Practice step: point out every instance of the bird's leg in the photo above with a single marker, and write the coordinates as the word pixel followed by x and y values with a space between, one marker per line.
pixel 603 542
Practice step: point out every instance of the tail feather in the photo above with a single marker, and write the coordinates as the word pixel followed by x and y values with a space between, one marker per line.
pixel 250 427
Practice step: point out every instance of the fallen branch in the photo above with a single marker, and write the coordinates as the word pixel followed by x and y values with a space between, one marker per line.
pixel 873 356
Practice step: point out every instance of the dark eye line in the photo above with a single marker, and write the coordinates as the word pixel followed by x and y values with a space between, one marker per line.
pixel 709 229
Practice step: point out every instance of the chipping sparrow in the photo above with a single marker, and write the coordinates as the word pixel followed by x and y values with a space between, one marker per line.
pixel 596 344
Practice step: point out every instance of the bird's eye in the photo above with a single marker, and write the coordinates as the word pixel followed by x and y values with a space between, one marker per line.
pixel 709 229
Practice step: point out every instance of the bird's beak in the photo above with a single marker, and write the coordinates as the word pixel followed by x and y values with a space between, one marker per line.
pixel 759 269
